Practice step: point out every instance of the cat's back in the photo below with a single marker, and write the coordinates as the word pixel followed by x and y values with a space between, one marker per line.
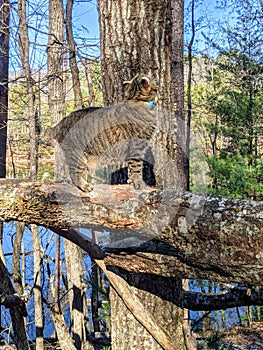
pixel 124 113
pixel 116 125
pixel 60 130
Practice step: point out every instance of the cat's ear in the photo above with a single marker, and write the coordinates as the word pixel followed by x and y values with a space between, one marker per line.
pixel 127 83
pixel 146 84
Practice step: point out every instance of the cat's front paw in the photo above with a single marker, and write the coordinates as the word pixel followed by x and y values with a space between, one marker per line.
pixel 138 184
pixel 86 187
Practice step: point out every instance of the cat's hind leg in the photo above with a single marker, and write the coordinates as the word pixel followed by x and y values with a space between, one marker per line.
pixel 77 170
pixel 135 169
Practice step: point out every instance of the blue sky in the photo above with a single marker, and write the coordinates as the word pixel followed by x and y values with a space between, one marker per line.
pixel 207 14
pixel 86 28
pixel 86 15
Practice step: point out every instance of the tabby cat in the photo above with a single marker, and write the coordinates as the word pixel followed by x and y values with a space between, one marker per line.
pixel 109 136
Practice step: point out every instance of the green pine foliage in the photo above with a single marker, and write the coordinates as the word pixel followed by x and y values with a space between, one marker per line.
pixel 227 105
pixel 233 176
pixel 227 116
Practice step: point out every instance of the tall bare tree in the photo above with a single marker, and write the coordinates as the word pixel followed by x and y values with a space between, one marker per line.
pixel 17 314
pixel 4 62
pixel 4 55
pixel 24 46
pixel 37 289
pixel 77 293
pixel 78 102
pixel 74 256
pixel 29 82
pixel 56 101
pixel 189 88
pixel 57 109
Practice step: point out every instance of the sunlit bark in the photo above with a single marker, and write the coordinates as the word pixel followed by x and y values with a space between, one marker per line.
pixel 207 237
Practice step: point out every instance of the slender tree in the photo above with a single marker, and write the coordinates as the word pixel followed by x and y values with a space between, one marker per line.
pixel 4 59
pixel 189 88
pixel 78 102
pixel 24 47
pixel 29 82
pixel 55 51
pixel 74 256
pixel 56 101
pixel 76 293
pixel 17 314
pixel 37 289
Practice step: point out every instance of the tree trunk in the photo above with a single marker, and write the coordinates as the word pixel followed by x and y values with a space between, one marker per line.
pixel 178 122
pixel 73 253
pixel 24 52
pixel 17 311
pixel 189 90
pixel 88 72
pixel 37 290
pixel 95 285
pixel 56 86
pixel 57 274
pixel 136 37
pixel 4 59
pixel 33 139
pixel 16 258
pixel 76 294
pixel 165 314
pixel 56 100
pixel 65 340
pixel 78 102
pixel 56 90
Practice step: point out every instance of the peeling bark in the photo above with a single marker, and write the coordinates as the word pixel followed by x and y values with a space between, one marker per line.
pixel 165 232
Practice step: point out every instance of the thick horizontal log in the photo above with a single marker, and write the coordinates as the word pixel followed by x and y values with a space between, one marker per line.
pixel 164 232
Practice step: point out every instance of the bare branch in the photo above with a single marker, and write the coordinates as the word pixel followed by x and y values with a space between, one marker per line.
pixel 240 296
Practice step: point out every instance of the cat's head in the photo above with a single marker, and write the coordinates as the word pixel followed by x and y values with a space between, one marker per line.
pixel 140 88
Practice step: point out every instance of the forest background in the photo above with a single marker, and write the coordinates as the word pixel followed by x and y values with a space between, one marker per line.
pixel 223 71
pixel 226 89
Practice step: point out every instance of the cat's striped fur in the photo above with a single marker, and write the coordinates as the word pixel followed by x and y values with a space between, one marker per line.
pixel 110 136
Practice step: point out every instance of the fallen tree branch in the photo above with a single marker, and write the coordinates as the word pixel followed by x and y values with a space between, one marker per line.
pixel 173 233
